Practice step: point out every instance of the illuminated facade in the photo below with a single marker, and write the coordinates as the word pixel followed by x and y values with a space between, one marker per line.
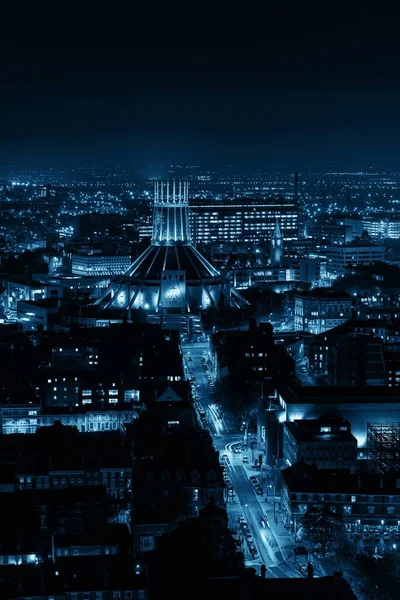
pixel 99 264
pixel 320 310
pixel 340 256
pixel 382 227
pixel 170 276
pixel 245 221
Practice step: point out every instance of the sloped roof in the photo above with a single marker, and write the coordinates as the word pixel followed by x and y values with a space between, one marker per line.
pixel 156 259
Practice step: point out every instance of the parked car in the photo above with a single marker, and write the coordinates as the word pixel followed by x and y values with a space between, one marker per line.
pixel 367 536
pixel 377 536
pixel 301 550
pixel 245 459
pixel 386 536
pixel 304 369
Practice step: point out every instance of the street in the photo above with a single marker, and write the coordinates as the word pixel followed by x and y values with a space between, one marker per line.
pixel 273 543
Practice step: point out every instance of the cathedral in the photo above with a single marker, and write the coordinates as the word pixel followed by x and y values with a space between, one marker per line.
pixel 170 276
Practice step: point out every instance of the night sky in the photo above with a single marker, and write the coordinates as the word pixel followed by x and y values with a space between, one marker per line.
pixel 302 86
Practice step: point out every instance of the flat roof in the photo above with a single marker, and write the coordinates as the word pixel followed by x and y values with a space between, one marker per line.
pixel 340 394
pixel 303 477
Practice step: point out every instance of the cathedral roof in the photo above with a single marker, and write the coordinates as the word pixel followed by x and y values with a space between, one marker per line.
pixel 156 259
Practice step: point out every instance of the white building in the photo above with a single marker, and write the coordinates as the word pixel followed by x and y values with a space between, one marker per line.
pixel 100 264
pixel 340 256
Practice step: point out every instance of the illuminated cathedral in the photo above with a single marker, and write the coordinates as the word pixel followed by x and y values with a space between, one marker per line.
pixel 170 276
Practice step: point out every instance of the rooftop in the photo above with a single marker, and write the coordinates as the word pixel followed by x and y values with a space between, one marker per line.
pixel 340 395
pixel 324 294
pixel 308 435
pixel 60 448
pixel 156 259
pixel 303 478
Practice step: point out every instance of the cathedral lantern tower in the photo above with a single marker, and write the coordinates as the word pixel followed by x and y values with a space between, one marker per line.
pixel 171 214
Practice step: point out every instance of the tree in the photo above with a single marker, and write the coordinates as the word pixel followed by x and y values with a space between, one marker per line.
pixel 322 526
pixel 379 576
pixel 345 552
pixel 237 400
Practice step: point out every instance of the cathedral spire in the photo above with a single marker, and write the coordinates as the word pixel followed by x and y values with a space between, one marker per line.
pixel 277 245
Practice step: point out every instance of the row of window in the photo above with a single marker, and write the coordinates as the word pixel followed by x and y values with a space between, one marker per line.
pixel 344 498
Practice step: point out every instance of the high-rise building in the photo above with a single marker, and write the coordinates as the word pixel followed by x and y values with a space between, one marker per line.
pixel 243 221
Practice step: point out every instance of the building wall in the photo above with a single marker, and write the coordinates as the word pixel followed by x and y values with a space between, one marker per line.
pixel 339 256
pixel 28 420
pixel 116 480
pixel 242 222
pixel 359 414
pixel 357 510
pixel 317 315
pixel 325 454
pixel 100 264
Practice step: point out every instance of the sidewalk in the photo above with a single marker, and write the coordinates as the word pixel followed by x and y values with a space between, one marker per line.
pixel 283 537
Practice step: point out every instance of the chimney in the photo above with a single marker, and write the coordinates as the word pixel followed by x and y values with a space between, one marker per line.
pixel 337 577
pixel 310 571
pixel 296 186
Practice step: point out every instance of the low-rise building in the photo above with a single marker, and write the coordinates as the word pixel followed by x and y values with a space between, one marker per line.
pixel 326 443
pixel 100 264
pixel 340 256
pixel 58 457
pixel 362 500
pixel 321 309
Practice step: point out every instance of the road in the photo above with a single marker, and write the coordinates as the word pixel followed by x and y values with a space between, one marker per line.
pixel 304 378
pixel 245 502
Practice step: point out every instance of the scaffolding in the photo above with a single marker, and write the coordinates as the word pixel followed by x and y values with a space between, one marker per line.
pixel 383 442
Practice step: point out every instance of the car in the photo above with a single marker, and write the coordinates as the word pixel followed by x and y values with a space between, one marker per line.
pixel 397 535
pixel 190 358
pixel 302 550
pixel 304 369
pixel 377 536
pixel 367 536
pixel 245 459
pixel 242 520
pixel 386 536
pixel 265 521
pixel 259 491
pixel 225 456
